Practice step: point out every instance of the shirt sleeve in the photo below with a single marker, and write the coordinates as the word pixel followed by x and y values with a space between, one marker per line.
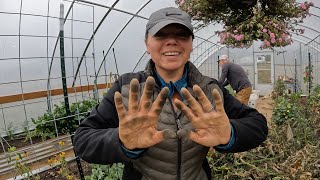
pixel 97 138
pixel 230 143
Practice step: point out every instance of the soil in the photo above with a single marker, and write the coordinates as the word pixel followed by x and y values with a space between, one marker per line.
pixel 72 166
pixel 18 141
pixel 264 105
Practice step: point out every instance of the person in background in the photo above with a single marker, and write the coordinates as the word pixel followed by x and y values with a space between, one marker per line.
pixel 161 122
pixel 235 75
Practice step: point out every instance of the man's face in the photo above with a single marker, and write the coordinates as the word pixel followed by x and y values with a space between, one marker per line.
pixel 221 62
pixel 170 48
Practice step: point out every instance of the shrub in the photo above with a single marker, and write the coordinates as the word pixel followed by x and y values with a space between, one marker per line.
pixel 47 123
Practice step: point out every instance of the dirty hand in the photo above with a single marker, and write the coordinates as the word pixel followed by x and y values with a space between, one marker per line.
pixel 211 124
pixel 137 126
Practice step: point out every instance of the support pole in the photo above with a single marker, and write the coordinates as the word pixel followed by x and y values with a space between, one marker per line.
pixel 64 84
pixel 218 68
pixel 295 75
pixel 309 74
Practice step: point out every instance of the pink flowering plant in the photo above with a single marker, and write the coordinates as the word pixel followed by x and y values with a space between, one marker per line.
pixel 244 21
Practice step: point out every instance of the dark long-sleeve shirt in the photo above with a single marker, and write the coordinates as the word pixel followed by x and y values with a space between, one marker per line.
pixel 234 75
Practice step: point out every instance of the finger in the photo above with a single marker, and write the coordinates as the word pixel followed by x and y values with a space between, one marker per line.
pixel 194 136
pixel 133 96
pixel 159 136
pixel 203 100
pixel 159 102
pixel 195 106
pixel 119 106
pixel 145 101
pixel 218 100
pixel 187 111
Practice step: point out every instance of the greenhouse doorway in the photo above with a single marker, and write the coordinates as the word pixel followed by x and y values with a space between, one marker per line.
pixel 264 72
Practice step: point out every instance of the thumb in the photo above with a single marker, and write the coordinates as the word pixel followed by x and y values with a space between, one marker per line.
pixel 169 134
pixel 183 134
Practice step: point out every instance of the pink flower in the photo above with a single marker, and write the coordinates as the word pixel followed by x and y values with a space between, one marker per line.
pixel 264 30
pixel 303 6
pixel 273 40
pixel 267 43
pixel 272 35
pixel 280 40
pixel 238 37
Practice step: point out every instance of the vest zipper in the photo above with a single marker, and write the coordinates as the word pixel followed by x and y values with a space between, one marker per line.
pixel 179 126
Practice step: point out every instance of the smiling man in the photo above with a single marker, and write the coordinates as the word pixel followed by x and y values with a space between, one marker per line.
pixel 161 122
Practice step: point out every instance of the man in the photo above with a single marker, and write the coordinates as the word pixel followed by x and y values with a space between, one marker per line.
pixel 161 122
pixel 235 75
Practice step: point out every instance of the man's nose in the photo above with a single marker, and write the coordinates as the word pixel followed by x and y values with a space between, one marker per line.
pixel 171 39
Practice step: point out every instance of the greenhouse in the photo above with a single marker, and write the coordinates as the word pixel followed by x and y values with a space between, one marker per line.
pixel 59 58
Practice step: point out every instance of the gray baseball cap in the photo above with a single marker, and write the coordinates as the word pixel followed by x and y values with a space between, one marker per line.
pixel 163 17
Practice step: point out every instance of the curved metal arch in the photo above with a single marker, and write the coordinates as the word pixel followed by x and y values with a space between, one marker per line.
pixel 306 43
pixel 115 39
pixel 145 52
pixel 308 28
pixel 304 37
pixel 89 42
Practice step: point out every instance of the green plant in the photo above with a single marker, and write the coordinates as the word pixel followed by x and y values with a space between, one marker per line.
pixel 19 165
pixel 47 123
pixel 107 172
pixel 9 131
pixel 283 111
pixel 308 76
pixel 290 152
pixel 279 89
pixel 60 162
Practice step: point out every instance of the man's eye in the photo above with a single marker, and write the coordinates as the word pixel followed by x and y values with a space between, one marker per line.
pixel 160 34
pixel 181 34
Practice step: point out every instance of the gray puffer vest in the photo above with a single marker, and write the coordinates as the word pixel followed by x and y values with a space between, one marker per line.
pixel 178 158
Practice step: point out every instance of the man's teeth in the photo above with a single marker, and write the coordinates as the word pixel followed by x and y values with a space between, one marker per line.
pixel 171 53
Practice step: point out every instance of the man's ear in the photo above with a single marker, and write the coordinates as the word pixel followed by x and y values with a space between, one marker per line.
pixel 146 43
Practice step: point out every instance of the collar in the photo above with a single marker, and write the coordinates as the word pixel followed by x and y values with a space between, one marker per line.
pixel 183 82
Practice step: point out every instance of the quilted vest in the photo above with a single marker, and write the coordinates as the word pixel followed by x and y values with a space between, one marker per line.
pixel 174 158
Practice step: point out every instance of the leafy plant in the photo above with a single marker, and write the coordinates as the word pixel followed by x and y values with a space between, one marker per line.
pixel 47 123
pixel 291 150
pixel 283 110
pixel 107 172
pixel 308 76
pixel 60 162
pixel 9 131
pixel 279 89
pixel 19 165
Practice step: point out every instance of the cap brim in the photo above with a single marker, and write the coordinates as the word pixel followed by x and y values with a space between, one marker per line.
pixel 152 31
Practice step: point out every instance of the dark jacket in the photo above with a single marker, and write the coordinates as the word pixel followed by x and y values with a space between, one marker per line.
pixel 234 75
pixel 97 140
